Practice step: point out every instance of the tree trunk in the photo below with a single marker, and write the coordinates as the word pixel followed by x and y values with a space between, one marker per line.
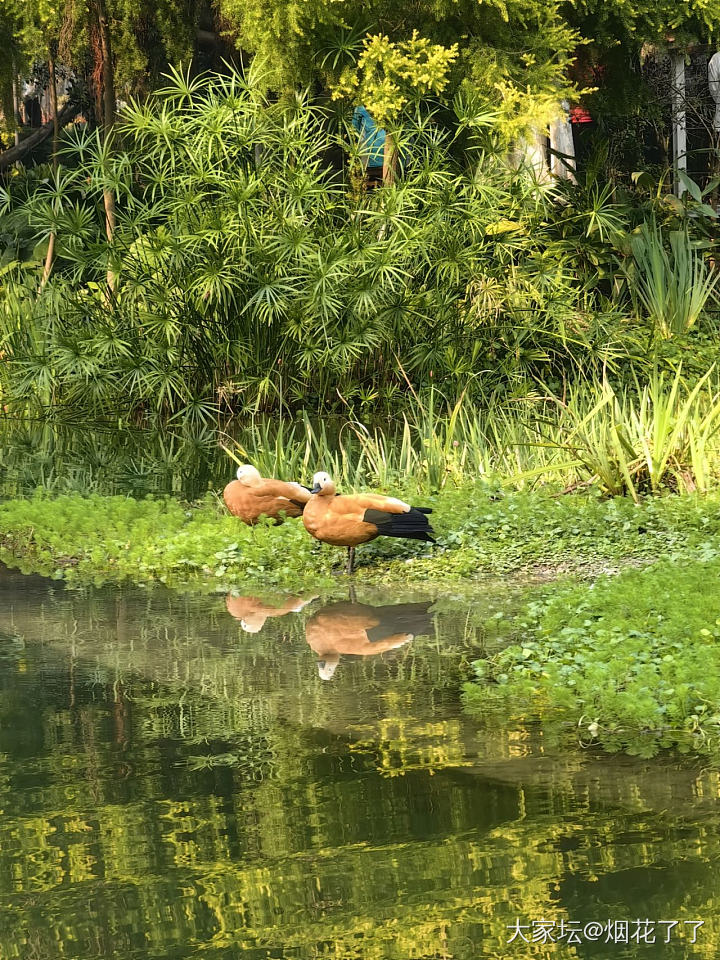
pixel 15 102
pixel 26 146
pixel 108 69
pixel 55 119
pixel 56 136
pixel 108 105
pixel 389 160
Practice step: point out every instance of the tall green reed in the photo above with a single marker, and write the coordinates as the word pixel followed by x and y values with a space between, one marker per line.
pixel 660 435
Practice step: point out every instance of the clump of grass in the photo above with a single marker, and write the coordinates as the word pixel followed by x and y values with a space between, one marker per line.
pixel 672 286
pixel 631 659
pixel 661 436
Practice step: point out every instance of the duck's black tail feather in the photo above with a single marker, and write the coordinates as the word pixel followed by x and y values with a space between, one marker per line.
pixel 411 618
pixel 413 525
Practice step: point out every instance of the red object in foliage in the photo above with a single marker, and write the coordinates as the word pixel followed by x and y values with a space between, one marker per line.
pixel 578 114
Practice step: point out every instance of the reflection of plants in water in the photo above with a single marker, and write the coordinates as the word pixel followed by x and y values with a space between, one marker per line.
pixel 429 747
pixel 113 829
pixel 107 460
pixel 398 742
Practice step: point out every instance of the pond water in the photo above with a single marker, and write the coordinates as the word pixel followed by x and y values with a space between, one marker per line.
pixel 232 777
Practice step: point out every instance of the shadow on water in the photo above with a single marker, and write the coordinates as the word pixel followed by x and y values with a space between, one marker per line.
pixel 177 780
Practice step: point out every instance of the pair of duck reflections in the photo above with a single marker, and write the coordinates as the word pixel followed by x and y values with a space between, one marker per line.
pixel 341 629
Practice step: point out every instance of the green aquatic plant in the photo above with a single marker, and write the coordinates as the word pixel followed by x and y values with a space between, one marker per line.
pixel 631 659
pixel 661 435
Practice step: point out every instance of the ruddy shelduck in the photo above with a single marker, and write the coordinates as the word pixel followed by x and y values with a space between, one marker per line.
pixel 251 496
pixel 349 520
pixel 253 612
pixel 360 630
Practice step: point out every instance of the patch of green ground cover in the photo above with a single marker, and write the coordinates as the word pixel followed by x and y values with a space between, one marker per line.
pixel 113 539
pixel 631 660
pixel 480 532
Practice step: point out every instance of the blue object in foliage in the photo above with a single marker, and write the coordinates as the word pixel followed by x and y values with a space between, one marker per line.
pixel 372 137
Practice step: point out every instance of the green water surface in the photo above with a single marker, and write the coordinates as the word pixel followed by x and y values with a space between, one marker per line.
pixel 191 777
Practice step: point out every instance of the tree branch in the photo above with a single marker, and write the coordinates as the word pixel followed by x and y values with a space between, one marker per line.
pixel 26 146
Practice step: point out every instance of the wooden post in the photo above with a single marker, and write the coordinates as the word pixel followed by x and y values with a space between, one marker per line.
pixel 529 154
pixel 714 85
pixel 679 118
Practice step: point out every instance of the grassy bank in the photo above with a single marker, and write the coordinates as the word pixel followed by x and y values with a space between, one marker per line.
pixel 630 661
pixel 621 646
pixel 481 531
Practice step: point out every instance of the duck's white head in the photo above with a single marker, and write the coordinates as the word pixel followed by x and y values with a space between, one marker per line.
pixel 328 666
pixel 248 474
pixel 323 484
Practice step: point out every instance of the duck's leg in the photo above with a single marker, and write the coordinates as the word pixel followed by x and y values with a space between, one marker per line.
pixel 351 560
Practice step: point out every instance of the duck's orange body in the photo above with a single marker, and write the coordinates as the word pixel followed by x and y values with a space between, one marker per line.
pixel 345 628
pixel 252 612
pixel 341 520
pixel 252 496
pixel 359 630
pixel 347 521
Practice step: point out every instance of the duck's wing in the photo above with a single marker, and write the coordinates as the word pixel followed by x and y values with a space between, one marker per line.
pixel 294 492
pixel 375 501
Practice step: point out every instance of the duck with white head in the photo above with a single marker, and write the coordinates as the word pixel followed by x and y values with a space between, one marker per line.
pixel 251 496
pixel 351 519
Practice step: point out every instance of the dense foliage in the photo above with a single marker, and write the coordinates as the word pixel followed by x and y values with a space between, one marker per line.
pixel 245 270
pixel 514 54
pixel 145 39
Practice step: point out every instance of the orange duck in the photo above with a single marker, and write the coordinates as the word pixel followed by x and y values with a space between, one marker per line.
pixel 347 521
pixel 252 496
pixel 252 612
pixel 360 630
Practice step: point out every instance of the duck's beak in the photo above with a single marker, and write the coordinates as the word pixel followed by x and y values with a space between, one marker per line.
pixel 316 489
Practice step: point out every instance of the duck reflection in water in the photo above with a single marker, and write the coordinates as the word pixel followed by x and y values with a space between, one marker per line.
pixel 252 612
pixel 360 630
